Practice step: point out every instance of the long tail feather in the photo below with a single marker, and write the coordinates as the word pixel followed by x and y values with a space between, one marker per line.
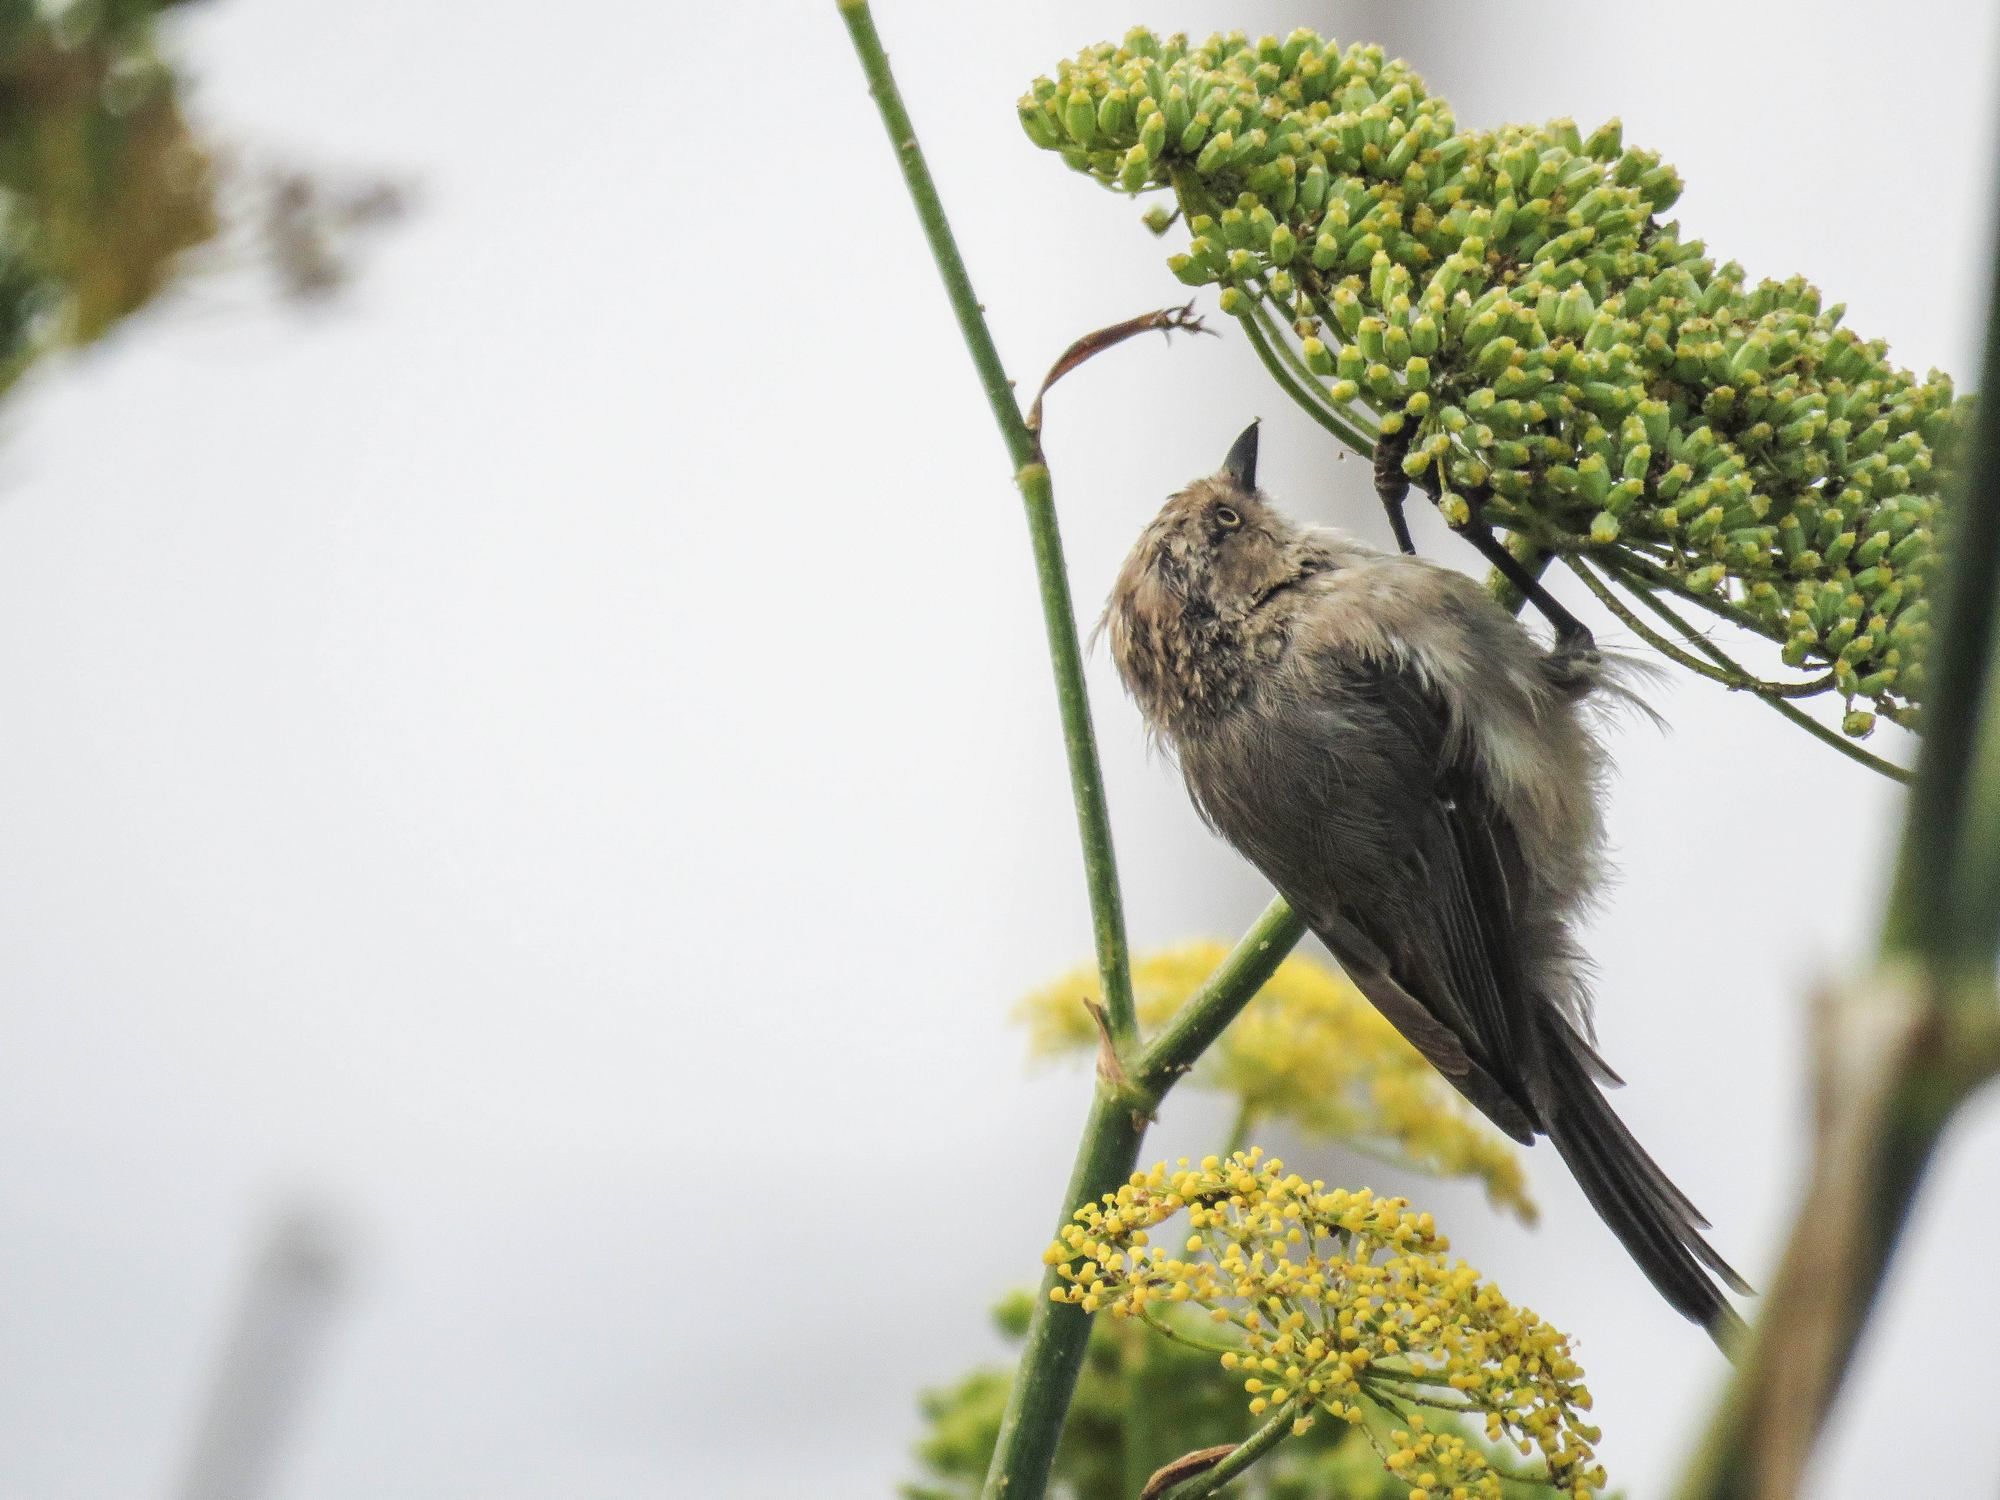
pixel 1652 1218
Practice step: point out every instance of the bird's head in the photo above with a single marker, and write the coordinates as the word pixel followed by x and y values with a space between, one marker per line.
pixel 1214 553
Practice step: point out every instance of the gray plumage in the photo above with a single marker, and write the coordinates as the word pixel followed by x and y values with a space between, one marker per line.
pixel 1415 775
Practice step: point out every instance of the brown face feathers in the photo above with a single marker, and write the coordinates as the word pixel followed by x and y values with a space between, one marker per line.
pixel 1179 613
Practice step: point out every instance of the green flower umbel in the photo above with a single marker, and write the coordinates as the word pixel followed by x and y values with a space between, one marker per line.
pixel 1508 310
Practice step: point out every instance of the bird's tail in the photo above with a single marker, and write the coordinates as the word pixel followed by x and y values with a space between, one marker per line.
pixel 1652 1218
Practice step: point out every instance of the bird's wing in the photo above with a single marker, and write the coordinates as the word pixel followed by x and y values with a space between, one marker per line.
pixel 1353 798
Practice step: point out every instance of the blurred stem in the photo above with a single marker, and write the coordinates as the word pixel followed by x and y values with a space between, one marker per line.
pixel 1240 1129
pixel 1900 1050
pixel 1135 1431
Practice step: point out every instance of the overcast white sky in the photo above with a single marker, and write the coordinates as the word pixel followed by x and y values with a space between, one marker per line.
pixel 555 760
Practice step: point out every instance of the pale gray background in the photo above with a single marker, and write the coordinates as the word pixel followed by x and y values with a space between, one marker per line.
pixel 555 759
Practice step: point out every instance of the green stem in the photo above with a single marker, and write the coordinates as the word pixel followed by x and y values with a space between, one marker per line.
pixel 1755 1430
pixel 1031 476
pixel 1732 677
pixel 1220 999
pixel 1252 1448
pixel 1629 561
pixel 1534 558
pixel 1790 711
pixel 1135 1431
pixel 1928 915
pixel 1173 1335
pixel 1319 411
pixel 1086 777
pixel 1057 1334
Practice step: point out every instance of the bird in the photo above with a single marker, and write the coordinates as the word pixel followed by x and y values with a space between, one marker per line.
pixel 1421 781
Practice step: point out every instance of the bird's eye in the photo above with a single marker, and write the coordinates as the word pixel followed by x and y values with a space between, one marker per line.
pixel 1226 517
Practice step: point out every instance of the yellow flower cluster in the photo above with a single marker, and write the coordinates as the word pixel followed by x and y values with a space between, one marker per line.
pixel 1311 1050
pixel 1340 1302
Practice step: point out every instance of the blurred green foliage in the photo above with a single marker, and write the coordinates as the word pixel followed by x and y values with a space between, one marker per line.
pixel 103 185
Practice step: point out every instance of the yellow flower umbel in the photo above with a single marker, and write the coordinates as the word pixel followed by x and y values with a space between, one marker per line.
pixel 1340 1302
pixel 1309 1049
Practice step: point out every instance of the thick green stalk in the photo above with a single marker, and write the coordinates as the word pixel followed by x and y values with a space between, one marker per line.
pixel 1031 476
pixel 1058 1332
pixel 1843 1241
pixel 1927 915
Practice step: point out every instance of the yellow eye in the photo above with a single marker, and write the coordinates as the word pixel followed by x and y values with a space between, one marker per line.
pixel 1227 518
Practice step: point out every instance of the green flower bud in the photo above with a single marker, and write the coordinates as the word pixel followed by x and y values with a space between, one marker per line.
pixel 1574 310
pixel 1114 113
pixel 1495 356
pixel 1136 170
pixel 1080 118
pixel 1313 188
pixel 1402 154
pixel 1043 127
pixel 1594 478
pixel 1858 725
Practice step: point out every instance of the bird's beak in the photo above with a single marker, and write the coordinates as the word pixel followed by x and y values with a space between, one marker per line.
pixel 1241 465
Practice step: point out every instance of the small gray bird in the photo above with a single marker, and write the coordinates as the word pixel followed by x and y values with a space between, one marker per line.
pixel 1414 773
